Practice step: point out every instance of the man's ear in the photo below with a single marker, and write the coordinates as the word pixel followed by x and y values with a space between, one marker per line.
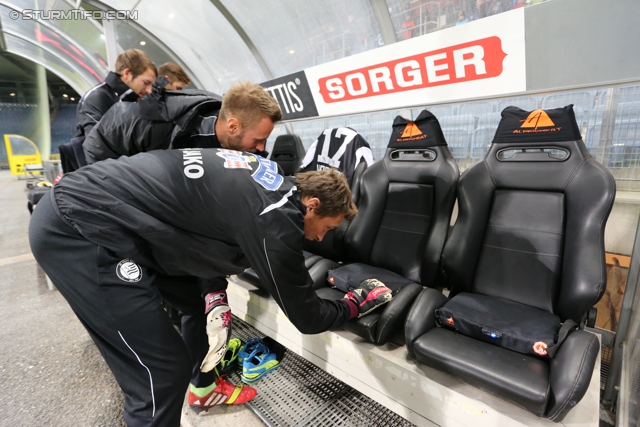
pixel 126 75
pixel 233 125
pixel 312 203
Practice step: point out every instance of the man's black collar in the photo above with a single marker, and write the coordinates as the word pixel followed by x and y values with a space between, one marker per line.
pixel 119 87
pixel 297 200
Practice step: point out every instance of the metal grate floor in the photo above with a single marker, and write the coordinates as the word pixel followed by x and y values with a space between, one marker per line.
pixel 605 364
pixel 607 418
pixel 298 393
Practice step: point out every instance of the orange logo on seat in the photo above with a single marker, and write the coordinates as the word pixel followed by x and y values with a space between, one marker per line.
pixel 540 348
pixel 450 321
pixel 331 280
pixel 411 130
pixel 537 119
pixel 411 133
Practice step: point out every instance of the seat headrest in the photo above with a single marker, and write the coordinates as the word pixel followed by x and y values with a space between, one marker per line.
pixel 552 125
pixel 422 132
pixel 288 152
pixel 287 143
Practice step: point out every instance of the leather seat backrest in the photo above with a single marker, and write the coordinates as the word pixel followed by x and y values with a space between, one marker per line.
pixel 346 150
pixel 343 149
pixel 288 152
pixel 406 202
pixel 356 181
pixel 531 217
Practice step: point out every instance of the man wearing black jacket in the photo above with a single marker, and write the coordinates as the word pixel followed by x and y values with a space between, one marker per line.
pixel 184 119
pixel 132 80
pixel 242 120
pixel 110 228
pixel 134 76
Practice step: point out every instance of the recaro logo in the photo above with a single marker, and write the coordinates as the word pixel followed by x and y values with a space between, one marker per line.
pixel 411 133
pixel 537 119
pixel 478 59
pixel 411 130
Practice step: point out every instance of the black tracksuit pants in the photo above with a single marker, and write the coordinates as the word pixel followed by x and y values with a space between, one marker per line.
pixel 119 303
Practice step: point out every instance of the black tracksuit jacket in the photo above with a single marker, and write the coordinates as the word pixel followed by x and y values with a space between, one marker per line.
pixel 201 212
pixel 97 101
pixel 161 120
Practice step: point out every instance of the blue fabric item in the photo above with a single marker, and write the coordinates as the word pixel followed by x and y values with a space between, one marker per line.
pixel 249 347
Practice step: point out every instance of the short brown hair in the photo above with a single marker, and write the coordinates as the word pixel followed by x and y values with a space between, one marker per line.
pixel 175 72
pixel 249 103
pixel 331 188
pixel 136 61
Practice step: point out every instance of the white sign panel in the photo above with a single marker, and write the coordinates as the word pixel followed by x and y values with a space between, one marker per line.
pixel 484 58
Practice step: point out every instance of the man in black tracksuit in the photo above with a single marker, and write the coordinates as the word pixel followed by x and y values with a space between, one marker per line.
pixel 97 101
pixel 169 120
pixel 187 119
pixel 109 228
pixel 162 120
pixel 132 80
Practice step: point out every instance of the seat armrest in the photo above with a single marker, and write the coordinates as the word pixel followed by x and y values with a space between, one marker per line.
pixel 570 372
pixel 395 312
pixel 319 270
pixel 310 259
pixel 330 293
pixel 421 317
pixel 365 326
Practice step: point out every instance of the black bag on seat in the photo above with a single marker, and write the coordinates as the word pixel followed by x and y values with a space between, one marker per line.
pixel 498 321
pixel 352 275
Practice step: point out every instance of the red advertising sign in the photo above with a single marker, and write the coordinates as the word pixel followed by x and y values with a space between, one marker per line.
pixel 474 60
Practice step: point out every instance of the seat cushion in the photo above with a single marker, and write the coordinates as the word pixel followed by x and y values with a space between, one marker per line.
pixel 365 327
pixel 501 322
pixel 521 379
pixel 352 275
pixel 382 324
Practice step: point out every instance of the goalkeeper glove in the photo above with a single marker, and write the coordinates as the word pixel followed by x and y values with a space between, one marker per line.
pixel 218 328
pixel 369 295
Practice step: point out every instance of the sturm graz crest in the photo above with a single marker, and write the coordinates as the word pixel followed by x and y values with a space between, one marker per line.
pixel 129 271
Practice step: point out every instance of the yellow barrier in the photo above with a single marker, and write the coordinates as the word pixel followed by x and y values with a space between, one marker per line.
pixel 21 151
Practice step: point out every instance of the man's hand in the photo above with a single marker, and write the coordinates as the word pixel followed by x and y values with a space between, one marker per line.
pixel 370 295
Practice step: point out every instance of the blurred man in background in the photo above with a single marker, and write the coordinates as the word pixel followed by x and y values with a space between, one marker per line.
pixel 132 80
pixel 177 78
